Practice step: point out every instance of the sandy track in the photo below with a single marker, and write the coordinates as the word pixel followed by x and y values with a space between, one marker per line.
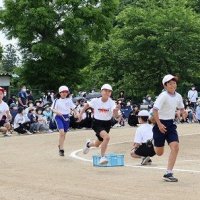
pixel 31 169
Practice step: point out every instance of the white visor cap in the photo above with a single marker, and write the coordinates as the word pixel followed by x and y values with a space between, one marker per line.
pixel 106 87
pixel 63 88
pixel 167 78
pixel 143 113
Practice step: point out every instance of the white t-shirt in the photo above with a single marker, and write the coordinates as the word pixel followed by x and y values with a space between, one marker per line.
pixel 63 106
pixel 166 104
pixel 143 133
pixel 3 108
pixel 193 95
pixel 19 119
pixel 102 110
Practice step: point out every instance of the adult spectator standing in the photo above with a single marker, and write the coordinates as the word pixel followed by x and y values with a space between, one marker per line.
pixel 22 97
pixel 193 97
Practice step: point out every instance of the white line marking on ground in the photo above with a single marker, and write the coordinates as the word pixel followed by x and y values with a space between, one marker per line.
pixel 74 155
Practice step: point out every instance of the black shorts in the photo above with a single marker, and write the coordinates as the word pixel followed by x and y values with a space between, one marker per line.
pixel 144 150
pixel 170 136
pixel 2 122
pixel 101 125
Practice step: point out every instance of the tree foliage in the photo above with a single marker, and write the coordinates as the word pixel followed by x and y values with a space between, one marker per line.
pixel 54 36
pixel 150 40
pixel 10 58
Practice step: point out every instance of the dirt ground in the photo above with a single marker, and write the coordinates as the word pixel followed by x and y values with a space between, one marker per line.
pixel 30 169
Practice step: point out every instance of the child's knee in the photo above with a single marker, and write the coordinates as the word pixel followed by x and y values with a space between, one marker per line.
pixel 107 138
pixel 175 147
pixel 159 152
pixel 133 155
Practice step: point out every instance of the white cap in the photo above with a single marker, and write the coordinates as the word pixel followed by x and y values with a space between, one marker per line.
pixel 63 88
pixel 106 87
pixel 167 78
pixel 143 113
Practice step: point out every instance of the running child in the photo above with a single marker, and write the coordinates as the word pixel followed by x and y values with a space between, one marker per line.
pixel 142 146
pixel 62 108
pixel 104 109
pixel 165 128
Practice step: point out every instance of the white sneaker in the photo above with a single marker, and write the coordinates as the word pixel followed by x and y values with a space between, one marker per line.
pixel 103 160
pixel 145 160
pixel 29 133
pixel 86 149
pixel 7 134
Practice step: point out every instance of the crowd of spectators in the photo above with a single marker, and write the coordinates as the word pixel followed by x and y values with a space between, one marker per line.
pixel 30 115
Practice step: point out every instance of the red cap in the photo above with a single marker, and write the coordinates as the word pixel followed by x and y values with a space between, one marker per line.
pixel 1 89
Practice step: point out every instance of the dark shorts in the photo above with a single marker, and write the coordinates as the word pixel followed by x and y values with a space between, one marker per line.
pixel 2 122
pixel 170 136
pixel 101 125
pixel 62 122
pixel 144 150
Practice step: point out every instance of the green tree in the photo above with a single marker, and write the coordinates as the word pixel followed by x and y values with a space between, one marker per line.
pixel 54 36
pixel 10 58
pixel 148 42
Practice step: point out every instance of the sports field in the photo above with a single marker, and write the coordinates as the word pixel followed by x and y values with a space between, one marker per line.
pixel 30 169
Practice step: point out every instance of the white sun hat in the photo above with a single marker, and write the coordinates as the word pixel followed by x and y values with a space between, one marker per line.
pixel 167 78
pixel 106 87
pixel 63 88
pixel 143 113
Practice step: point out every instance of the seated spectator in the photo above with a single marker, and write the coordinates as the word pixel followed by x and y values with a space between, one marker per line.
pixel 42 121
pixel 142 145
pixel 21 125
pixel 47 113
pixel 133 119
pixel 5 116
pixel 12 100
pixel 38 103
pixel 198 111
pixel 13 111
pixel 34 125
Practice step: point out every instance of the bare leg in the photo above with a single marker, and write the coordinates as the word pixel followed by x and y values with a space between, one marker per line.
pixel 104 144
pixel 174 146
pixel 61 138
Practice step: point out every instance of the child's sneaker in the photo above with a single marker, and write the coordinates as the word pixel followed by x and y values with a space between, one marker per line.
pixel 145 160
pixel 103 160
pixel 86 149
pixel 29 133
pixel 7 134
pixel 170 178
pixel 61 151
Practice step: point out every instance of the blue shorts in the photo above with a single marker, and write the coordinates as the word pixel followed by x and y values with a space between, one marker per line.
pixel 62 122
pixel 170 136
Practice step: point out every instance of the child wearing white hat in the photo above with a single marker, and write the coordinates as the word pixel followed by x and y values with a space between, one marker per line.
pixel 104 109
pixel 165 128
pixel 62 108
pixel 142 145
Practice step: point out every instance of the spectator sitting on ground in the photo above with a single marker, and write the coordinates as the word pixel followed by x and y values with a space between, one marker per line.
pixel 5 115
pixel 198 111
pixel 21 125
pixel 34 125
pixel 42 121
pixel 12 100
pixel 47 113
pixel 13 111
